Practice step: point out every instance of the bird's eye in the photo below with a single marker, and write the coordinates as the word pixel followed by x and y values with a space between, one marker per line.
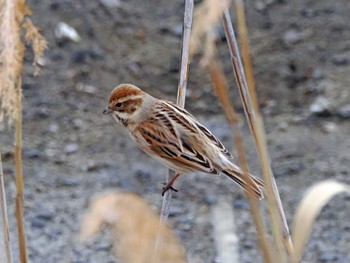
pixel 119 104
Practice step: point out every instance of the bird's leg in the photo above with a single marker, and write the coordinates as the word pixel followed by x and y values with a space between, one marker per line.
pixel 170 184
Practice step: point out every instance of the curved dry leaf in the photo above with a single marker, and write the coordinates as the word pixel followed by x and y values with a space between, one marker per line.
pixel 310 206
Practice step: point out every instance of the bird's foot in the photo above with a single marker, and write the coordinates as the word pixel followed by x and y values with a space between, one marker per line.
pixel 167 188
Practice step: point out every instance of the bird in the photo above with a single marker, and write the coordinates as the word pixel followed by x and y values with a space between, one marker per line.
pixel 174 137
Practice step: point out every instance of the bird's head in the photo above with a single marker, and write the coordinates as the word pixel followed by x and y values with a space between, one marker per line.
pixel 125 103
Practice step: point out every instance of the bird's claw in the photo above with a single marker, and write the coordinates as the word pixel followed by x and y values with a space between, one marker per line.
pixel 166 188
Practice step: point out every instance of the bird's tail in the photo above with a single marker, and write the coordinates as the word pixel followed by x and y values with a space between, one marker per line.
pixel 255 184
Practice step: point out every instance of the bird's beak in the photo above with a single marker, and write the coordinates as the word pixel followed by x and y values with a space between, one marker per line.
pixel 107 110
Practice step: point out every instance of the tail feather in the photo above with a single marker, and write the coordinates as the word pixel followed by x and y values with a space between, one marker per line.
pixel 256 184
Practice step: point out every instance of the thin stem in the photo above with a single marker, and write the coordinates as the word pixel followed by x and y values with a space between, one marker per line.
pixel 278 219
pixel 244 44
pixel 185 53
pixel 19 180
pixel 181 97
pixel 181 94
pixel 4 216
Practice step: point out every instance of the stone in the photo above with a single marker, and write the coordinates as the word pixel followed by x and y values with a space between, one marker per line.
pixel 71 148
pixel 344 111
pixel 64 31
pixel 321 106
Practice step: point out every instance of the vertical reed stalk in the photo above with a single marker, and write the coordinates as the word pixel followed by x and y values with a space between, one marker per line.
pixel 181 94
pixel 4 216
pixel 181 97
pixel 19 179
pixel 244 44
pixel 278 219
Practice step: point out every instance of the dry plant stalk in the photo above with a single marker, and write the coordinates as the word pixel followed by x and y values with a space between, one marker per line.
pixel 181 93
pixel 19 183
pixel 4 216
pixel 135 225
pixel 309 208
pixel 279 223
pixel 220 86
pixel 244 44
pixel 12 13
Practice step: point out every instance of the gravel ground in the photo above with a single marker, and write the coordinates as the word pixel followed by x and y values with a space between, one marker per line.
pixel 71 152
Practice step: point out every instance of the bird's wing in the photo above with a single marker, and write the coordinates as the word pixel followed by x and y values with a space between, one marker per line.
pixel 164 139
pixel 195 125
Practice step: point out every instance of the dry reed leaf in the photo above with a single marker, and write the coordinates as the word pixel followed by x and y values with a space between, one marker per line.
pixel 206 17
pixel 39 43
pixel 309 208
pixel 136 228
pixel 221 90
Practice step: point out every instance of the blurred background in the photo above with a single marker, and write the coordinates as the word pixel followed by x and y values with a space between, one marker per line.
pixel 301 55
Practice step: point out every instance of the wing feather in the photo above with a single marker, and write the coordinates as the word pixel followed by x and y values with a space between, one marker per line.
pixel 170 145
pixel 193 125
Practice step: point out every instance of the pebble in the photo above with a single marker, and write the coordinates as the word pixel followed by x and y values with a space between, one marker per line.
pixel 240 204
pixel 329 127
pixel 134 67
pixel 69 181
pixel 80 56
pixel 321 106
pixel 283 126
pixel 71 148
pixel 111 3
pixel 38 223
pixel 293 36
pixel 142 175
pixel 328 256
pixel 32 153
pixel 89 89
pixel 78 123
pixel 344 111
pixel 308 12
pixel 53 127
pixel 64 31
pixel 45 215
pixel 40 113
pixel 175 30
pixel 340 60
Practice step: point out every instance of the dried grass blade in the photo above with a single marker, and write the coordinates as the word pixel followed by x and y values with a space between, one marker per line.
pixel 278 219
pixel 309 208
pixel 220 85
pixel 4 216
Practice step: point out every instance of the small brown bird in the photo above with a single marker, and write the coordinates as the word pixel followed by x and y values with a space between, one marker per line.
pixel 173 136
